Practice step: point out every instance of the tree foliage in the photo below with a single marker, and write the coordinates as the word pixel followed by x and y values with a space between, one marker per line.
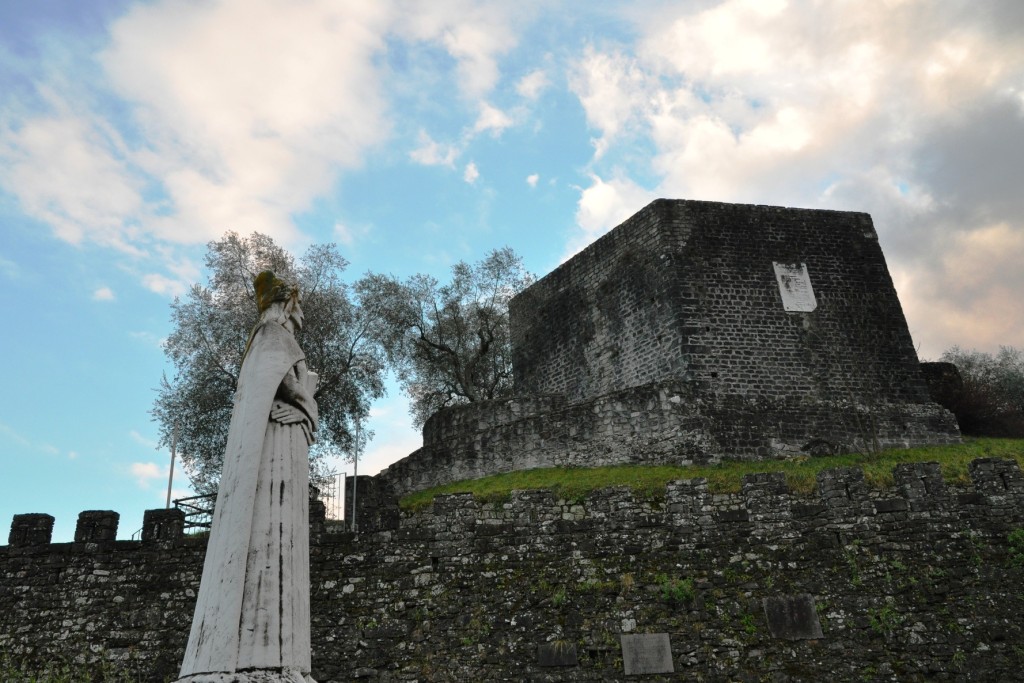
pixel 211 325
pixel 449 343
pixel 991 400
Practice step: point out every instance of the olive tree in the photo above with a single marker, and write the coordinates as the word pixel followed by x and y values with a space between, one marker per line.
pixel 447 343
pixel 211 324
pixel 990 401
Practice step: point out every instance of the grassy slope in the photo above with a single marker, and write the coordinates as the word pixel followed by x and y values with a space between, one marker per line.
pixel 649 482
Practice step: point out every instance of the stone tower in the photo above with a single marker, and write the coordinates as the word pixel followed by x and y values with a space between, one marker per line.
pixel 782 325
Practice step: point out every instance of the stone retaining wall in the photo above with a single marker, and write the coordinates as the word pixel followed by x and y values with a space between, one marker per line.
pixel 914 583
pixel 664 423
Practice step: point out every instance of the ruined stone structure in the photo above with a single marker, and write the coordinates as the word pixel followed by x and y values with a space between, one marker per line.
pixel 918 582
pixel 693 332
pixel 697 331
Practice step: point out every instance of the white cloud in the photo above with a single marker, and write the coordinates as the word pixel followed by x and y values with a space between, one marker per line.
pixel 605 204
pixel 149 339
pixel 245 129
pixel 343 234
pixel 973 292
pixel 491 119
pixel 892 108
pixel 474 34
pixel 146 472
pixel 72 455
pixel 471 174
pixel 611 87
pixel 25 442
pixel 163 285
pixel 142 440
pixel 470 46
pixel 92 194
pixel 602 206
pixel 381 453
pixel 13 435
pixel 432 153
pixel 532 84
pixel 103 294
pixel 247 110
pixel 348 235
pixel 234 115
pixel 532 179
pixel 9 268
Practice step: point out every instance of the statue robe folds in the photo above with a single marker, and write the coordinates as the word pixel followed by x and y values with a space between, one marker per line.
pixel 252 612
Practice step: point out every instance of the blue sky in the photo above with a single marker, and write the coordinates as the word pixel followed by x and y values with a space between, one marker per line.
pixel 418 134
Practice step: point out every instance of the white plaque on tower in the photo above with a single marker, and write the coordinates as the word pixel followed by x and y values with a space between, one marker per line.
pixel 795 287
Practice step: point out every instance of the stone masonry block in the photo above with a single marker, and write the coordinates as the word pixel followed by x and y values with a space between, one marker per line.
pixel 96 525
pixel 163 524
pixel 996 476
pixel 764 484
pixel 792 617
pixel 841 486
pixel 919 479
pixel 31 529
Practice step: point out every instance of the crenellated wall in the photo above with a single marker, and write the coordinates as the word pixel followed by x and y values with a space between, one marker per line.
pixel 914 583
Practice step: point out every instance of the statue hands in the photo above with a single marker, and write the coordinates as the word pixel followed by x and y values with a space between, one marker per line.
pixel 287 414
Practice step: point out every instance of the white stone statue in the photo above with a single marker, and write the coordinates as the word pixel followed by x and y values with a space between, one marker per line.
pixel 252 616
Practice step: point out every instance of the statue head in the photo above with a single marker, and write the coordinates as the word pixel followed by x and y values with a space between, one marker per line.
pixel 278 300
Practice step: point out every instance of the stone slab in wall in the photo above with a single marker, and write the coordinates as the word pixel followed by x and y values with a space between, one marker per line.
pixel 646 653
pixel 792 617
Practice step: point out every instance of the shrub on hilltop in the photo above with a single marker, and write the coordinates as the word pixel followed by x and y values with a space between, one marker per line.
pixel 990 399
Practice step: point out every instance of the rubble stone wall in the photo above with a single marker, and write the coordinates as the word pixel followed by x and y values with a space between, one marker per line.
pixel 918 582
pixel 663 423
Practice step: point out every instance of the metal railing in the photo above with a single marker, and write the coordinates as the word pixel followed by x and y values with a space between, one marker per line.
pixel 331 490
pixel 198 512
pixel 199 509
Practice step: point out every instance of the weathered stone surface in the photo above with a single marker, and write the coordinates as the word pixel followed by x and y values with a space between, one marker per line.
pixel 465 590
pixel 377 505
pixel 646 653
pixel 252 613
pixel 669 341
pixel 688 289
pixel 557 653
pixel 792 617
pixel 95 526
pixel 163 525
pixel 31 529
pixel 260 676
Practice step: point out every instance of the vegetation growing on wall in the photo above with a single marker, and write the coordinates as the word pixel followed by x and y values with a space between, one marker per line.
pixel 801 473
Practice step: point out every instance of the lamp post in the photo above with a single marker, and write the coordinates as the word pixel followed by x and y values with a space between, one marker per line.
pixel 355 479
pixel 170 475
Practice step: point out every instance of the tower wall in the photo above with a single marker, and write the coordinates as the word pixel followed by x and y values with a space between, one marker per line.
pixel 691 290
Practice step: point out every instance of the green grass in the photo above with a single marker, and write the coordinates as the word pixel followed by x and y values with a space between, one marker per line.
pixel 649 481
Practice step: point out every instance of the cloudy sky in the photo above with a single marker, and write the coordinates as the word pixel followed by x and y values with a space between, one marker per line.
pixel 418 134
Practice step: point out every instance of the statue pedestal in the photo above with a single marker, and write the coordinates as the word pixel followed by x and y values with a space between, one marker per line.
pixel 254 676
